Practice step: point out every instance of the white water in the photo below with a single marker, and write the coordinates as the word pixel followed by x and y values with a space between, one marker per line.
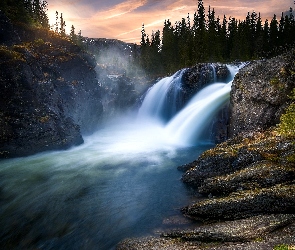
pixel 162 99
pixel 188 126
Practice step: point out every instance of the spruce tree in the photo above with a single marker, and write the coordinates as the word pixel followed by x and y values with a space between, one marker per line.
pixel 62 28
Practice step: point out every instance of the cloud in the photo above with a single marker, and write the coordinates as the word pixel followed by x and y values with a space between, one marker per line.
pixel 122 19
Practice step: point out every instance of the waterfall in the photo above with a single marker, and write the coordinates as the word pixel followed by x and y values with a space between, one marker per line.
pixel 162 100
pixel 188 126
pixel 214 73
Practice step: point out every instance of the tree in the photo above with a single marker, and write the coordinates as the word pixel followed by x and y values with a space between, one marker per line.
pixel 143 36
pixel 56 22
pixel 62 28
pixel 274 33
pixel 72 33
pixel 30 12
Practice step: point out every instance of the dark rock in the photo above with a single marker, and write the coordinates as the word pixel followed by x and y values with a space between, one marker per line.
pixel 242 204
pixel 8 35
pixel 235 231
pixel 202 74
pixel 119 94
pixel 257 175
pixel 209 167
pixel 50 96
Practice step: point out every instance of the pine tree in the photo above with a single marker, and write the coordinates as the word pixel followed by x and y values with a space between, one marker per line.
pixel 56 22
pixel 143 36
pixel 62 28
pixel 72 33
pixel 224 39
pixel 265 39
pixel 274 34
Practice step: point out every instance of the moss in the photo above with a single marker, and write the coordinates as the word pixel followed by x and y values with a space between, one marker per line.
pixel 287 123
pixel 7 54
pixel 276 82
pixel 281 247
pixel 44 119
pixel 291 158
pixel 39 42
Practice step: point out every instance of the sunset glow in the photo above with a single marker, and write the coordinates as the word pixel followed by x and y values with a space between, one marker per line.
pixel 122 20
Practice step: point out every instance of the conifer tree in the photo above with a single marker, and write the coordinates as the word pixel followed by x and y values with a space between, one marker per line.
pixel 62 28
pixel 72 33
pixel 56 22
pixel 274 33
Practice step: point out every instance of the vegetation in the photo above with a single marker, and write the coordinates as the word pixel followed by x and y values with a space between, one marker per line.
pixel 282 247
pixel 207 38
pixel 30 12
pixel 287 123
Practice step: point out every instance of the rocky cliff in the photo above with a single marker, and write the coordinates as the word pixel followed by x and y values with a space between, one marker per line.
pixel 50 93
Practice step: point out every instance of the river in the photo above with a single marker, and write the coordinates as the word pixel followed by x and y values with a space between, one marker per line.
pixel 122 182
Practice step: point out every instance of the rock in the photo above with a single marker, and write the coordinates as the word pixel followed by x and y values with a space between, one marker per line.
pixel 259 232
pixel 119 94
pixel 241 156
pixel 260 93
pixel 257 175
pixel 235 231
pixel 242 204
pixel 202 74
pixel 50 96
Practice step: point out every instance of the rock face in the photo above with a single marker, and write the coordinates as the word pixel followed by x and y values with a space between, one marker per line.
pixel 120 93
pixel 50 94
pixel 255 172
pixel 259 94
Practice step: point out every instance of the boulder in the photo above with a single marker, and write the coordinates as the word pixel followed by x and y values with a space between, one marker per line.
pixel 260 94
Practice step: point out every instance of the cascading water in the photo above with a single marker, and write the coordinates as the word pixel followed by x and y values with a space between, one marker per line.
pixel 162 100
pixel 187 126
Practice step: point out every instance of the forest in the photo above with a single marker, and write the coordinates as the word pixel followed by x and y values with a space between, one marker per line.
pixel 202 38
pixel 207 38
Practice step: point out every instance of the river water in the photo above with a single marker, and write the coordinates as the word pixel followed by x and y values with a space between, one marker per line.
pixel 122 182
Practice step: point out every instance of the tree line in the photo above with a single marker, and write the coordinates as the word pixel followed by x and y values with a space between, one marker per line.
pixel 207 38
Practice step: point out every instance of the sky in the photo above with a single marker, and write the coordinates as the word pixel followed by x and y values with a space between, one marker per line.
pixel 123 19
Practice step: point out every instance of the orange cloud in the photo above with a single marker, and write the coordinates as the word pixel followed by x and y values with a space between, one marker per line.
pixel 124 20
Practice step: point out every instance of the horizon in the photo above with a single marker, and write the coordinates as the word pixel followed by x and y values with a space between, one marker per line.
pixel 123 19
